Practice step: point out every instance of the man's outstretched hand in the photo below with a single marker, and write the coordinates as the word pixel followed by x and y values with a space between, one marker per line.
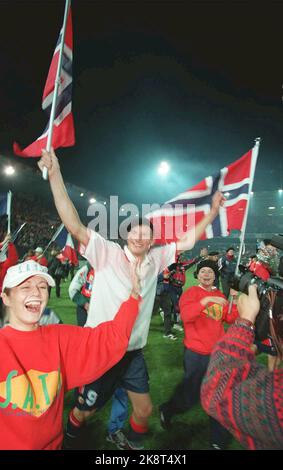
pixel 217 201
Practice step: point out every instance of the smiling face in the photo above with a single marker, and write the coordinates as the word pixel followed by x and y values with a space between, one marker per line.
pixel 26 303
pixel 206 277
pixel 140 240
pixel 204 252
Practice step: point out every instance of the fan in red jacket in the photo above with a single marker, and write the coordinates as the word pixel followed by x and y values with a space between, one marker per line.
pixel 203 309
pixel 7 260
pixel 39 257
pixel 42 363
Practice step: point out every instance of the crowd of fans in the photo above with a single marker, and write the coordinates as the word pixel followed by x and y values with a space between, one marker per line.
pixel 41 221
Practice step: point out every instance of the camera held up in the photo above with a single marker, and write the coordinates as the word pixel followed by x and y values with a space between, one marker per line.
pixel 270 293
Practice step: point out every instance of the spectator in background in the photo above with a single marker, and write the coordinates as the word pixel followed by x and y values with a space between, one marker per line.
pixel 267 261
pixel 80 291
pixel 55 270
pixel 163 301
pixel 252 260
pixel 39 257
pixel 203 255
pixel 265 265
pixel 227 267
pixel 71 270
pixel 8 257
pixel 29 255
pixel 177 280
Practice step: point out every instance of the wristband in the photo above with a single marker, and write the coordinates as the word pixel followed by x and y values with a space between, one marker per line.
pixel 248 324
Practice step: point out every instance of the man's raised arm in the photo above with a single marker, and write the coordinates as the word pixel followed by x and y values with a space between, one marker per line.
pixel 63 203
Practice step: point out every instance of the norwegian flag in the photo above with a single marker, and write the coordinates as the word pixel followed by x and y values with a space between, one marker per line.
pixel 183 212
pixel 63 125
pixel 65 242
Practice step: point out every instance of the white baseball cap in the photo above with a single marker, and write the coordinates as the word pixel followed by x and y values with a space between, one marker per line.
pixel 38 250
pixel 20 272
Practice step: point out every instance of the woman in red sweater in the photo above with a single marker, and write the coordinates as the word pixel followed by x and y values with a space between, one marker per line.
pixel 41 363
pixel 203 309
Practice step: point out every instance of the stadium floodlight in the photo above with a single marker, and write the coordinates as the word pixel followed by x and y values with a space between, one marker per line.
pixel 105 203
pixel 163 168
pixel 82 194
pixel 92 200
pixel 9 170
pixel 271 207
pixel 280 191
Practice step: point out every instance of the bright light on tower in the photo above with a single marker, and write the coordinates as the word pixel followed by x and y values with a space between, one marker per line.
pixel 163 168
pixel 9 170
pixel 280 191
pixel 82 194
pixel 92 200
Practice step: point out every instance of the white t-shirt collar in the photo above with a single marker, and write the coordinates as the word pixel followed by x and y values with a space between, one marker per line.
pixel 132 258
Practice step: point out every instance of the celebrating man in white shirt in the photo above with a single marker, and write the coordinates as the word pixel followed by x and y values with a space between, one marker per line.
pixel 113 267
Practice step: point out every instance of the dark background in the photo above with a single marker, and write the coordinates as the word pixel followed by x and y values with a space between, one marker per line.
pixel 192 83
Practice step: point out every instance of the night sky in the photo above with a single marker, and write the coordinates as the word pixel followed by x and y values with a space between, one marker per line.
pixel 189 83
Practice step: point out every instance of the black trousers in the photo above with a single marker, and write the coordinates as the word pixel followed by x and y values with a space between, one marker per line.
pixel 175 294
pixel 187 394
pixel 57 280
pixel 164 301
pixel 81 316
pixel 225 284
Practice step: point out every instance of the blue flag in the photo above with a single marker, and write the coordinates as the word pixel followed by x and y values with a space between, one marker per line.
pixel 3 204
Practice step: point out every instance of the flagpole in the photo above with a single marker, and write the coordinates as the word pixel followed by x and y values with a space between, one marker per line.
pixel 56 87
pixel 58 231
pixel 255 151
pixel 14 236
pixel 9 203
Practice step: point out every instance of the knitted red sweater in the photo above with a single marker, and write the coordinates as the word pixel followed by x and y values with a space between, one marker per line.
pixel 243 395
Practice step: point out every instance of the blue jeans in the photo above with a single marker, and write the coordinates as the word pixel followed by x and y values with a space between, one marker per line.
pixel 187 394
pixel 119 410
